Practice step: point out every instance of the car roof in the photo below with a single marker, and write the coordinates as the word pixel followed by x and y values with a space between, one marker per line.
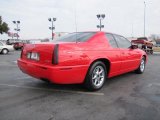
pixel 97 32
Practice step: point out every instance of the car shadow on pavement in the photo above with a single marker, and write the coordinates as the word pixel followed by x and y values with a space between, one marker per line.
pixel 50 86
pixel 122 77
pixel 79 87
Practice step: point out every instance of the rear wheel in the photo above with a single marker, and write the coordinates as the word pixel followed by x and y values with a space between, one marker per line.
pixel 45 80
pixel 96 76
pixel 141 67
pixel 5 51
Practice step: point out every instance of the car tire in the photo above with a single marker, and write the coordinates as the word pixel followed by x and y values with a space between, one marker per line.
pixel 151 51
pixel 5 51
pixel 16 48
pixel 141 67
pixel 45 80
pixel 96 76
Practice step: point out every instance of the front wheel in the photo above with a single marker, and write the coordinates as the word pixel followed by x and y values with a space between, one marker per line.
pixel 96 76
pixel 141 67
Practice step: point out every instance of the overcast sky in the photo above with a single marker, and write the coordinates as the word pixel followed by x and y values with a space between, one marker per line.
pixel 120 16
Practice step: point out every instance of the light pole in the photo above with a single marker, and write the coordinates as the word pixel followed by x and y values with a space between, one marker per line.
pixel 53 27
pixel 100 17
pixel 17 27
pixel 144 18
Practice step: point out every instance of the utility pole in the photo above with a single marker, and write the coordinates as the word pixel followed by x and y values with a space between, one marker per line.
pixel 100 17
pixel 53 27
pixel 17 27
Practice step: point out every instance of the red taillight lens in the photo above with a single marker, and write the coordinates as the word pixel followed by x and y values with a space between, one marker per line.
pixel 55 54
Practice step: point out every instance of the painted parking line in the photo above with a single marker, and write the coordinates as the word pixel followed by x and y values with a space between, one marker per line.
pixel 54 90
pixel 22 78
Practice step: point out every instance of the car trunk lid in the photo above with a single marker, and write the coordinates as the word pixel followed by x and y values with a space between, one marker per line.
pixel 43 51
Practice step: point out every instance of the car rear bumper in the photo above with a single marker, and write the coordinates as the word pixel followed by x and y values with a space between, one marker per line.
pixel 55 73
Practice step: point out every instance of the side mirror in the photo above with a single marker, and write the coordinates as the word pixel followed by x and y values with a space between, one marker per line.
pixel 134 46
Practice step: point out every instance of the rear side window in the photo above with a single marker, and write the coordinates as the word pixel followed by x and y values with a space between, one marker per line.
pixel 122 41
pixel 73 37
pixel 111 40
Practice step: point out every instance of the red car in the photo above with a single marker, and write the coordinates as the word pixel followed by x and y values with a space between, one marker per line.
pixel 84 57
pixel 18 45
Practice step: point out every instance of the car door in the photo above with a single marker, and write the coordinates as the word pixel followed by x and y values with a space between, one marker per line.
pixel 114 54
pixel 129 58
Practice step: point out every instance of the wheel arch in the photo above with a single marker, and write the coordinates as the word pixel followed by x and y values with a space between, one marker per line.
pixel 105 61
pixel 6 49
pixel 145 56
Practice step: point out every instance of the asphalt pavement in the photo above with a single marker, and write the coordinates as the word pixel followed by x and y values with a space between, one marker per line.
pixel 125 97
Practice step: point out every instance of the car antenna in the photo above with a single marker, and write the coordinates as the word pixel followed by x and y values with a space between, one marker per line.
pixel 75 15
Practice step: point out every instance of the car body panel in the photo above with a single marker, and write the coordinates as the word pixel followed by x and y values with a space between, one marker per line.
pixel 56 74
pixel 75 59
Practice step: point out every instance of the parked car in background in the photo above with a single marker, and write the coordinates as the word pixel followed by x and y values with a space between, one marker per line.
pixel 87 58
pixel 18 45
pixel 157 45
pixel 34 41
pixel 4 48
pixel 12 41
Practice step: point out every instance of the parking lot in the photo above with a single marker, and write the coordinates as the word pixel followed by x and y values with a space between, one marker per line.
pixel 126 97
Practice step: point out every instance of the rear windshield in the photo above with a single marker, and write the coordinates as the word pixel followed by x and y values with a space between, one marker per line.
pixel 73 37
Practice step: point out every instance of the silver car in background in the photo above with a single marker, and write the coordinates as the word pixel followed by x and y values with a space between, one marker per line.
pixel 4 48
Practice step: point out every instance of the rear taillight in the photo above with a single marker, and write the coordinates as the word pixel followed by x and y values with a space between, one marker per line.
pixel 55 54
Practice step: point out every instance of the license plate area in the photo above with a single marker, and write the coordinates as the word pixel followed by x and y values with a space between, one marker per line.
pixel 33 56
